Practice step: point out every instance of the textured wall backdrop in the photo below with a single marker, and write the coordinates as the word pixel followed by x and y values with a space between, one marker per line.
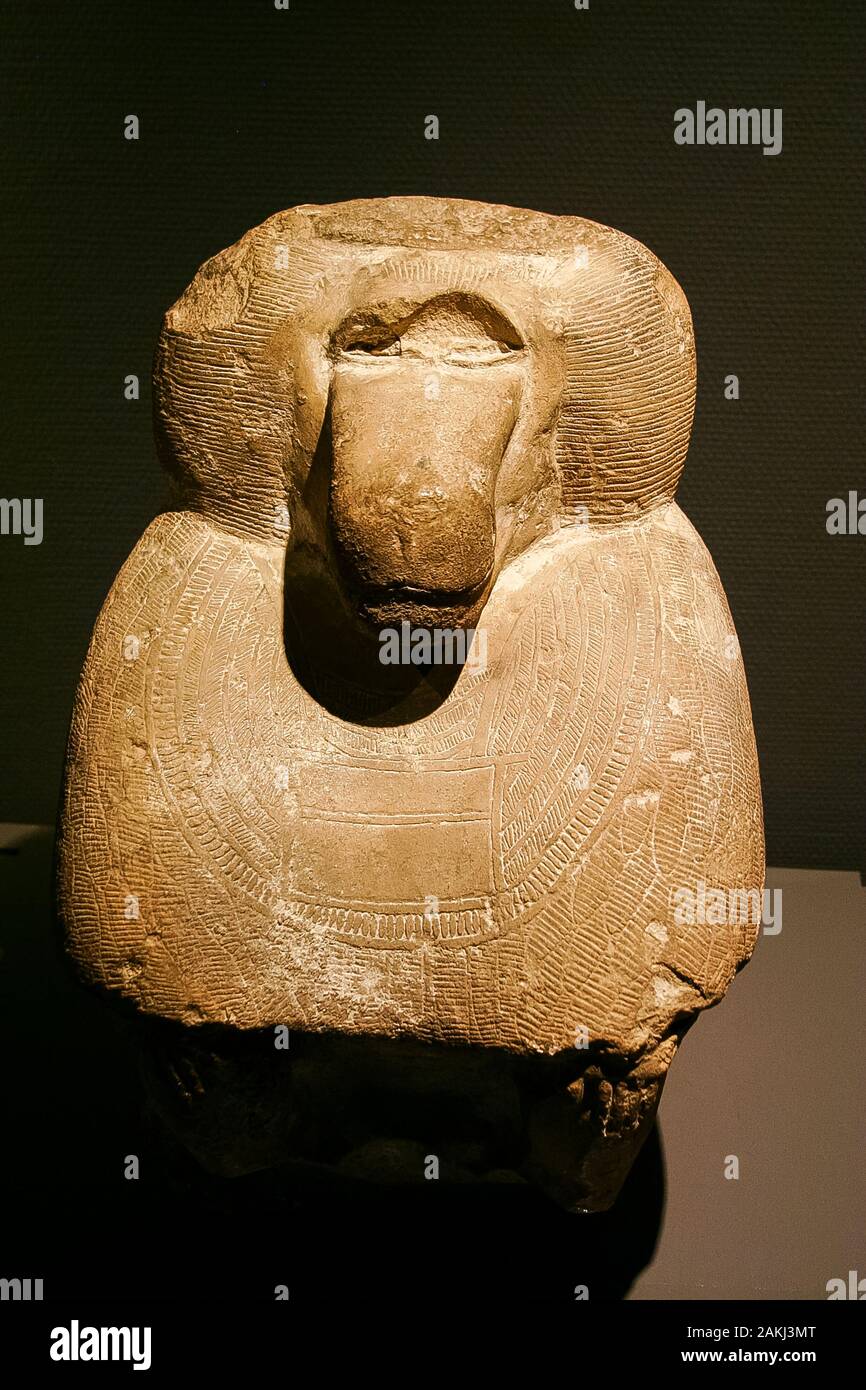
pixel 245 109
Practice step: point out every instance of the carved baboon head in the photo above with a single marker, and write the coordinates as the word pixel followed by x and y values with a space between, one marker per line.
pixel 421 401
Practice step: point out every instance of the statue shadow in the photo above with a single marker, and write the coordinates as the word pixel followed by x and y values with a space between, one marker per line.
pixel 393 1233
pixel 386 1246
pixel 334 656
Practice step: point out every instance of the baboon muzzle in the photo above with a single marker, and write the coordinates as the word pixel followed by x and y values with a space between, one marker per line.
pixel 416 449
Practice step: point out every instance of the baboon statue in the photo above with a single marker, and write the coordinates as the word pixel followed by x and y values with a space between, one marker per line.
pixel 407 731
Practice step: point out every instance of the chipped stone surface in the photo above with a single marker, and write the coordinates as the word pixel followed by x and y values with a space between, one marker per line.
pixel 432 412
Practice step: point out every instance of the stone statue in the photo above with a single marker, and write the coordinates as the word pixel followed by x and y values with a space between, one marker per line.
pixel 416 734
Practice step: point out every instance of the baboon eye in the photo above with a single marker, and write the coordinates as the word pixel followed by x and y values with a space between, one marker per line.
pixel 387 345
pixel 482 351
pixel 453 328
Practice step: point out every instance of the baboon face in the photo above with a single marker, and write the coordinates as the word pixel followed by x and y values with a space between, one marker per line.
pixel 419 391
pixel 423 405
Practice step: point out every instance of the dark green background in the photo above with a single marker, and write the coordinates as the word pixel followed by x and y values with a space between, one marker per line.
pixel 245 110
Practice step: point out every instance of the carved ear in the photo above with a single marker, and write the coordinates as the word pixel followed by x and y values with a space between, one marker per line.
pixel 628 403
